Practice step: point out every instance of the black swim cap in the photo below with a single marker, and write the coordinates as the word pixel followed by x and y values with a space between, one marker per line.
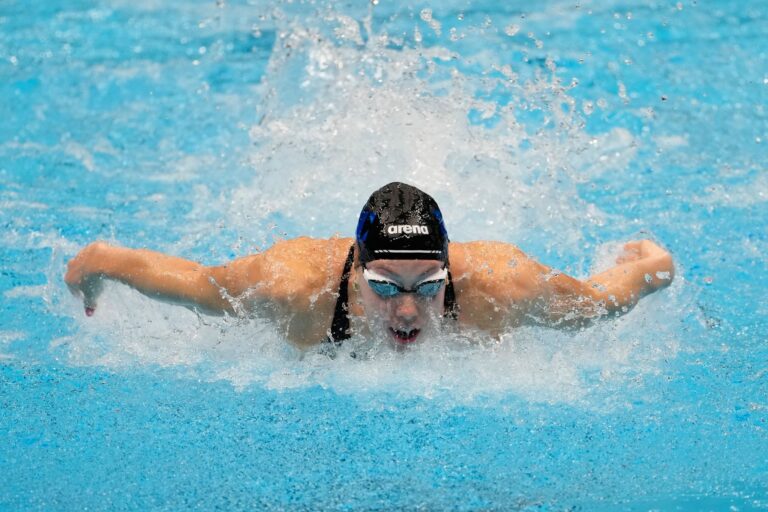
pixel 401 222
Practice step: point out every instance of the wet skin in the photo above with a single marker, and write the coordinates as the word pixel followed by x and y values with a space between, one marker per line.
pixel 407 317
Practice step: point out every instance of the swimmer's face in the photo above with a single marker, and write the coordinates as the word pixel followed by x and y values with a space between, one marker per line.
pixel 404 318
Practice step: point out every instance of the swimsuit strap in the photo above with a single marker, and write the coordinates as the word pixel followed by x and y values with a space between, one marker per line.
pixel 340 322
pixel 450 308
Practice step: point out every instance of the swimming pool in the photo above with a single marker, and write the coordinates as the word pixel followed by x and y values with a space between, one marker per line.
pixel 210 129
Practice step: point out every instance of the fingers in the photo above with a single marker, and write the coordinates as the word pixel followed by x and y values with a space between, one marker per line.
pixel 81 277
pixel 649 248
pixel 91 289
pixel 635 250
pixel 73 289
pixel 73 277
pixel 631 252
pixel 81 284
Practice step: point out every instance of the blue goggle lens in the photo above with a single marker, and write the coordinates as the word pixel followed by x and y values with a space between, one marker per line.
pixel 384 289
pixel 387 289
pixel 430 288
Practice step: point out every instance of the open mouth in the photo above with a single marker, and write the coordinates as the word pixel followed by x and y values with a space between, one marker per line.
pixel 405 336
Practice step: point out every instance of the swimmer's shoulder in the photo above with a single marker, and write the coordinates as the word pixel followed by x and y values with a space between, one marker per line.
pixel 307 265
pixel 467 258
pixel 299 278
pixel 493 280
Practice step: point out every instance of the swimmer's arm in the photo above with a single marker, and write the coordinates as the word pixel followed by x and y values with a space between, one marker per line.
pixel 156 275
pixel 293 282
pixel 563 301
pixel 499 286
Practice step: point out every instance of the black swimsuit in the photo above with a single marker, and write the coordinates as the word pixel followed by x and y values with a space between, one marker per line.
pixel 340 324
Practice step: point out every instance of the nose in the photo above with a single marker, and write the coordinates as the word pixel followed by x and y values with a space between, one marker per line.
pixel 406 309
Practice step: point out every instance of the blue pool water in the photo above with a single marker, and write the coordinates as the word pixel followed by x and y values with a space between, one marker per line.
pixel 210 129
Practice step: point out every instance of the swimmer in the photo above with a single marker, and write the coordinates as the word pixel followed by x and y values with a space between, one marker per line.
pixel 400 278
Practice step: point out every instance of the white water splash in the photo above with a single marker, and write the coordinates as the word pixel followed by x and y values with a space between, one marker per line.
pixel 585 368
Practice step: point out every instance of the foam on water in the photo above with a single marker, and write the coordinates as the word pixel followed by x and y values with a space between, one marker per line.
pixel 586 367
pixel 347 108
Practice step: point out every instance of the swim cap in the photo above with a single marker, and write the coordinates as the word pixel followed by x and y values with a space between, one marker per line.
pixel 401 222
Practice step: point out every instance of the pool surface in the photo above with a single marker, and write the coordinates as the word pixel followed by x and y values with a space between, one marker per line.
pixel 211 129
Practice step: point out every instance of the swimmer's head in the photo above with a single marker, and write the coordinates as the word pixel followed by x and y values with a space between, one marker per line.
pixel 403 250
pixel 401 222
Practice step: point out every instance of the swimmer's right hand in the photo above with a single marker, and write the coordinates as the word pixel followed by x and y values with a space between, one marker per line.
pixel 84 277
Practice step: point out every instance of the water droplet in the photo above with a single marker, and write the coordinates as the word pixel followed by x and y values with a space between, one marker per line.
pixel 14 60
pixel 588 107
pixel 460 17
pixel 375 2
pixel 426 14
pixel 511 30
pixel 623 92
pixel 679 6
pixel 506 70
pixel 552 274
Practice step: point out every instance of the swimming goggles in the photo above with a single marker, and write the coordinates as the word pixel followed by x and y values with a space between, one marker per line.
pixel 383 287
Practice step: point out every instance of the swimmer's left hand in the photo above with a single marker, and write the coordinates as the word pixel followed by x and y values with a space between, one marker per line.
pixel 641 249
pixel 656 260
